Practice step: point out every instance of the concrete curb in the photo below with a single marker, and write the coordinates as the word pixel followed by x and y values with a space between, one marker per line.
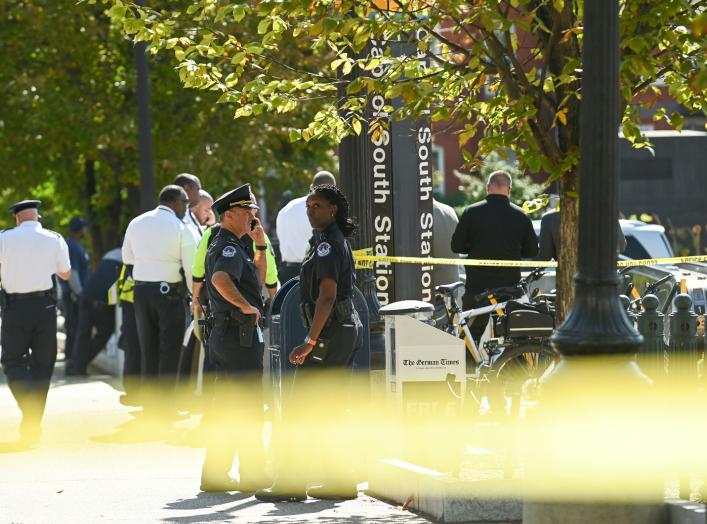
pixel 685 512
pixel 443 497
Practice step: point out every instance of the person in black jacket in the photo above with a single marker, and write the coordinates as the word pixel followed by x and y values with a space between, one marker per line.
pixel 494 229
pixel 550 237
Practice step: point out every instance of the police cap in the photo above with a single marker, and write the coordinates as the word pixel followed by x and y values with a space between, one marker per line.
pixel 239 197
pixel 77 224
pixel 25 204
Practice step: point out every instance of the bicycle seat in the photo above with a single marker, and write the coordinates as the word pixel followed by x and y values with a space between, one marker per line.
pixel 449 289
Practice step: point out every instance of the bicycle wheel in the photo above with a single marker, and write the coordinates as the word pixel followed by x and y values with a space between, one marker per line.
pixel 516 373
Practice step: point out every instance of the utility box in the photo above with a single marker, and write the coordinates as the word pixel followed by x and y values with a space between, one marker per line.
pixel 425 385
pixel 420 359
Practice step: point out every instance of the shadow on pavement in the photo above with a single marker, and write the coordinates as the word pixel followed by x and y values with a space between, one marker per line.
pixel 309 506
pixel 221 515
pixel 205 500
pixel 139 429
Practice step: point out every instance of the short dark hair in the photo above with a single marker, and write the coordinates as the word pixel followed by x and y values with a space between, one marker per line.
pixel 185 179
pixel 171 193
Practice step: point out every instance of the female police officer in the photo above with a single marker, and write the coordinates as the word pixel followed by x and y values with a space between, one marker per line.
pixel 326 287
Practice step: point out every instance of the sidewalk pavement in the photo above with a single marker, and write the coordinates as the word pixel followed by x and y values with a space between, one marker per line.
pixel 77 475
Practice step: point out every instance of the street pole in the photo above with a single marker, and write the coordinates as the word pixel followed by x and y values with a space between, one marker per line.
pixel 147 179
pixel 597 340
pixel 356 177
pixel 597 324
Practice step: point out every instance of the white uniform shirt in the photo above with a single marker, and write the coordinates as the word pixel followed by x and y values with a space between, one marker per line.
pixel 294 230
pixel 158 244
pixel 29 256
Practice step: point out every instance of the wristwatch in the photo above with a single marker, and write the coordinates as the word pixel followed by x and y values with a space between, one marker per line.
pixel 310 341
pixel 261 248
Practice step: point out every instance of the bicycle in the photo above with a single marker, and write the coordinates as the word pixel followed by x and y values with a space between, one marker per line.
pixel 514 350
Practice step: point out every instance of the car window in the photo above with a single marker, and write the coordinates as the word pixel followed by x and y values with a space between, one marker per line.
pixel 634 249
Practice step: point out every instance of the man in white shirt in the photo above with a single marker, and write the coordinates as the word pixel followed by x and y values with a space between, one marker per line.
pixel 192 186
pixel 160 248
pixel 294 230
pixel 29 257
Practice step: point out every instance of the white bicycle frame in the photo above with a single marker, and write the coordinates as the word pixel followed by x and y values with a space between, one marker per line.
pixel 466 317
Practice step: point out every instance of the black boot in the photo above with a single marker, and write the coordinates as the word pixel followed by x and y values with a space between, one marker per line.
pixel 333 492
pixel 279 494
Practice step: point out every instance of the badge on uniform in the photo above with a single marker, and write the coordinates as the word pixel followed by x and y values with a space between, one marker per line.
pixel 229 251
pixel 323 249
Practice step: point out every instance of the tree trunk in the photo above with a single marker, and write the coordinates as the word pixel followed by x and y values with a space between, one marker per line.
pixel 567 267
pixel 89 190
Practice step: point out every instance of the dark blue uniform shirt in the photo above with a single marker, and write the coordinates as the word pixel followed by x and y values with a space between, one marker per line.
pixel 329 256
pixel 79 258
pixel 229 254
pixel 106 274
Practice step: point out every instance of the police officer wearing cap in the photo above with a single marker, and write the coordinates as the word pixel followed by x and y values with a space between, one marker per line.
pixel 235 346
pixel 334 334
pixel 71 290
pixel 160 249
pixel 29 257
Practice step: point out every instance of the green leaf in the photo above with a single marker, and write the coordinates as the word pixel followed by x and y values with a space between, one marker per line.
pixel 278 25
pixel 246 110
pixel 238 13
pixel 263 26
pixel 238 57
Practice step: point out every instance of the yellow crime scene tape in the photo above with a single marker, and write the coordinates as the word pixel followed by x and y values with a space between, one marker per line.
pixel 365 259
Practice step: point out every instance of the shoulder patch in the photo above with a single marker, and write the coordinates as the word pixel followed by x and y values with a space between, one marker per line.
pixel 229 251
pixel 323 249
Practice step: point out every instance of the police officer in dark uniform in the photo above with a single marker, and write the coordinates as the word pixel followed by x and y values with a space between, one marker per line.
pixel 29 257
pixel 235 345
pixel 334 329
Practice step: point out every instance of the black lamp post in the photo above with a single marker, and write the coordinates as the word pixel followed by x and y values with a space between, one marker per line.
pixel 596 324
pixel 147 179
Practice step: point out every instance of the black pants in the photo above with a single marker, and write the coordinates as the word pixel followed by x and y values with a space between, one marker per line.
pixel 92 314
pixel 130 344
pixel 160 319
pixel 288 271
pixel 235 413
pixel 71 322
pixel 29 353
pixel 318 408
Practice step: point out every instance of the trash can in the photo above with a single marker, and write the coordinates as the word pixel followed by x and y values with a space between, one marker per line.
pixel 287 332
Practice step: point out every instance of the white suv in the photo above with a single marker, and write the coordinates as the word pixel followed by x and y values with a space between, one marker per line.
pixel 642 240
pixel 645 240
